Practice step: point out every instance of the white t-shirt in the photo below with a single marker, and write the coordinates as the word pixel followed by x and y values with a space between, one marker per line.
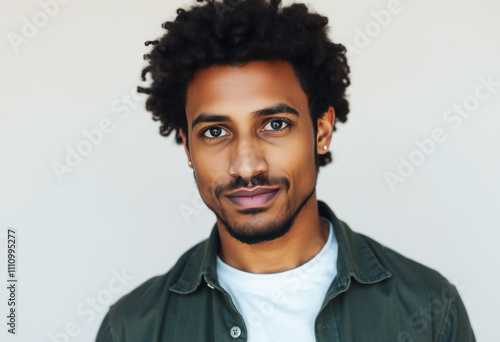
pixel 282 306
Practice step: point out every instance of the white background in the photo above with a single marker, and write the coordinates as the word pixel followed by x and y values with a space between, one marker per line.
pixel 120 210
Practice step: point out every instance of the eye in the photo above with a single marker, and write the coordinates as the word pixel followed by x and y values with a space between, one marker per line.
pixel 277 125
pixel 214 132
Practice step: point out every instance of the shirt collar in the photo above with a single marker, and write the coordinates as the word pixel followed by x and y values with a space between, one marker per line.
pixel 356 259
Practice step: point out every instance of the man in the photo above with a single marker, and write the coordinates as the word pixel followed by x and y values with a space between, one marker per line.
pixel 253 92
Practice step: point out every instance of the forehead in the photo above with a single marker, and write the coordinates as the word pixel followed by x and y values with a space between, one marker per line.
pixel 243 89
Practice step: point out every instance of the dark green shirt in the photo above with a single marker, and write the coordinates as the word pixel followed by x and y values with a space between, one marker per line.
pixel 377 295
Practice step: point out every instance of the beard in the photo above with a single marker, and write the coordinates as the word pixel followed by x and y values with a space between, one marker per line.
pixel 271 231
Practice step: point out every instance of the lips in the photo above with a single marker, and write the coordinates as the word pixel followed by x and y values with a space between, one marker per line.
pixel 252 198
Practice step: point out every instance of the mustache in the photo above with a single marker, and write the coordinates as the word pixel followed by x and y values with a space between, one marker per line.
pixel 258 180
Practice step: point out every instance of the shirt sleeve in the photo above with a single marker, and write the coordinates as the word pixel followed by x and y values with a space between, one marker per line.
pixel 106 333
pixel 456 327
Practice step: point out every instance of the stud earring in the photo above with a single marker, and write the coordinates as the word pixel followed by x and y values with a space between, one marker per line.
pixel 325 148
pixel 190 163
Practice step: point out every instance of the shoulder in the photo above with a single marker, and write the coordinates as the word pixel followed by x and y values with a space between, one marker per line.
pixel 136 310
pixel 400 266
pixel 412 280
pixel 428 298
pixel 147 294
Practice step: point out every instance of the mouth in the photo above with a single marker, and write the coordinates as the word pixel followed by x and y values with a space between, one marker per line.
pixel 253 198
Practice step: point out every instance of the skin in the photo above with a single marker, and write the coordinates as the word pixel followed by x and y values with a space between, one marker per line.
pixel 245 146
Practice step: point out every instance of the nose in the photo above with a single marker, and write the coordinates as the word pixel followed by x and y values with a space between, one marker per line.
pixel 247 161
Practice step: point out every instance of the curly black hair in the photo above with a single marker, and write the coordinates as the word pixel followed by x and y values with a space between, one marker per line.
pixel 234 32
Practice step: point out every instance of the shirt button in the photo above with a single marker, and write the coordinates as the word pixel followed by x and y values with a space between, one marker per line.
pixel 210 286
pixel 235 331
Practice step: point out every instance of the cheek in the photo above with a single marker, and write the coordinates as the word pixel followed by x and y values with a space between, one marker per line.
pixel 296 160
pixel 301 149
pixel 211 170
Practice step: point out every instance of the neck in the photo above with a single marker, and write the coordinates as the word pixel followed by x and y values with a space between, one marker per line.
pixel 305 239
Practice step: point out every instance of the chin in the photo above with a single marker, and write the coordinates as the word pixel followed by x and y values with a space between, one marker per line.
pixel 259 232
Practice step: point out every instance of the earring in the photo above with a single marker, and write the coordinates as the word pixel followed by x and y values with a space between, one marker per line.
pixel 190 163
pixel 325 148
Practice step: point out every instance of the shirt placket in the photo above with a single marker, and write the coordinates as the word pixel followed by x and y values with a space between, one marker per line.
pixel 231 327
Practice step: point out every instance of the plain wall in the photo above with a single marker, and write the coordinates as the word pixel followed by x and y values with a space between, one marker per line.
pixel 119 217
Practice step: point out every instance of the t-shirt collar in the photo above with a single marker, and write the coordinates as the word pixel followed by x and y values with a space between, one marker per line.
pixel 355 260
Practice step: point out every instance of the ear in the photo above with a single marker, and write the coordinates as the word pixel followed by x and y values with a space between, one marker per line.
pixel 184 142
pixel 325 131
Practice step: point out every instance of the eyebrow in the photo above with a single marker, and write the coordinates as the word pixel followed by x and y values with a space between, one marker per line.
pixel 281 108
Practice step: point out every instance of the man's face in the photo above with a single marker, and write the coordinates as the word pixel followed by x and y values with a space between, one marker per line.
pixel 249 129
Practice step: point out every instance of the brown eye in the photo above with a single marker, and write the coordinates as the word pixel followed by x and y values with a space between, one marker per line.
pixel 214 132
pixel 276 125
